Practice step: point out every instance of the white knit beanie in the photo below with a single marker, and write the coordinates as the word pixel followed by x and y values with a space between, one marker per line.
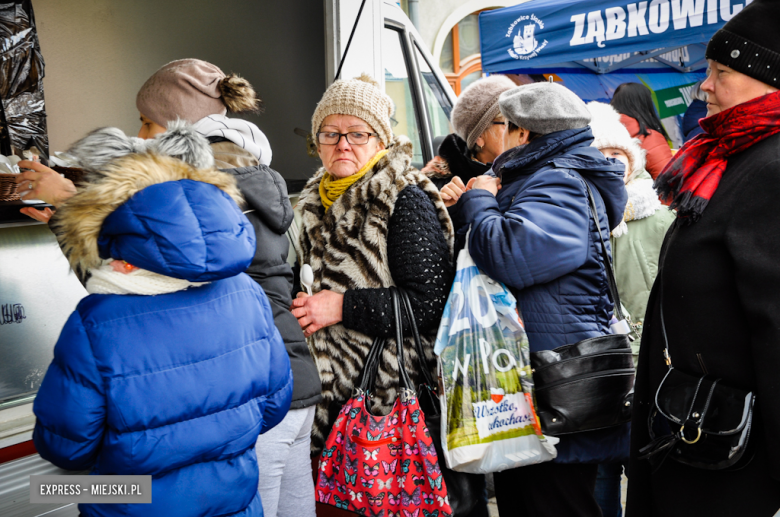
pixel 477 106
pixel 608 132
pixel 359 97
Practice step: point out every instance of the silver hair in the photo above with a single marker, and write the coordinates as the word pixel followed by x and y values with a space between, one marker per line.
pixel 697 93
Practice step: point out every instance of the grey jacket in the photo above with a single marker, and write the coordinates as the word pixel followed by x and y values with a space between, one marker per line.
pixel 270 212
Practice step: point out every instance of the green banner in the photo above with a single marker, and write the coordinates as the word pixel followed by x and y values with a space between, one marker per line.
pixel 673 101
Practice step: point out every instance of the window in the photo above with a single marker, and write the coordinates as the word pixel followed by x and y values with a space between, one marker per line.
pixel 399 88
pixel 460 57
pixel 437 103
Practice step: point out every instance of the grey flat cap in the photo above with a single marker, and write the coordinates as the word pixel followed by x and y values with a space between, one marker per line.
pixel 544 108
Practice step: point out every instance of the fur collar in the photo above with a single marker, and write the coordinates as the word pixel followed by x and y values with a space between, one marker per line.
pixel 642 203
pixel 394 167
pixel 78 222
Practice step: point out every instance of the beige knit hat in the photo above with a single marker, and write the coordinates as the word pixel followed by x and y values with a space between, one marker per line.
pixel 477 106
pixel 191 89
pixel 359 97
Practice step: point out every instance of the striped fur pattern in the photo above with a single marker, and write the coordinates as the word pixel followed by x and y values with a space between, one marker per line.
pixel 347 249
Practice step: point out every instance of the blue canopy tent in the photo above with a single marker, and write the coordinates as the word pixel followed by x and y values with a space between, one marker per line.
pixel 595 46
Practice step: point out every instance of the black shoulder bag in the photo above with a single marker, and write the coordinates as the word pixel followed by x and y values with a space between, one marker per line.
pixel 588 385
pixel 697 420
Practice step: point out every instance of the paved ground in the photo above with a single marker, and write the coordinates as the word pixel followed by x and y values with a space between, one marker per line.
pixel 493 509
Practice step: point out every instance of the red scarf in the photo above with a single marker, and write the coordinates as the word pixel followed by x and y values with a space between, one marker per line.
pixel 692 176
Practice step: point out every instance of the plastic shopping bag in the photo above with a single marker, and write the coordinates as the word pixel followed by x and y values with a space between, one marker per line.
pixel 488 419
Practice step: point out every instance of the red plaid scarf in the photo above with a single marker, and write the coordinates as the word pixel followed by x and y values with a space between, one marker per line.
pixel 692 176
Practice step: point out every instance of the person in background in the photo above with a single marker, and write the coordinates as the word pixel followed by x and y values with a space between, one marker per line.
pixel 696 111
pixel 634 102
pixel 369 221
pixel 467 153
pixel 534 208
pixel 636 245
pixel 172 365
pixel 715 301
pixel 201 94
pixel 479 133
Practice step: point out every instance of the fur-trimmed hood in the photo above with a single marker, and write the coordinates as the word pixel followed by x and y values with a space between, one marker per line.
pixel 106 144
pixel 642 202
pixel 609 132
pixel 160 214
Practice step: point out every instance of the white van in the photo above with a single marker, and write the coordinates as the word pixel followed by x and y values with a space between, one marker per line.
pixel 37 289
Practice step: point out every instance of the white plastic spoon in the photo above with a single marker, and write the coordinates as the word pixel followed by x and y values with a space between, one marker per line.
pixel 307 277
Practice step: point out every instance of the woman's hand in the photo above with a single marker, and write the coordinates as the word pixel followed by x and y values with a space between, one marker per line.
pixel 451 192
pixel 437 164
pixel 43 183
pixel 489 183
pixel 317 311
pixel 39 215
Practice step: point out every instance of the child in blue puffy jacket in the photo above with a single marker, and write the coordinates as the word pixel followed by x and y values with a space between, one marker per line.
pixel 172 366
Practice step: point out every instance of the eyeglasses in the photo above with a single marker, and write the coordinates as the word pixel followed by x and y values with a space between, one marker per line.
pixel 502 123
pixel 353 137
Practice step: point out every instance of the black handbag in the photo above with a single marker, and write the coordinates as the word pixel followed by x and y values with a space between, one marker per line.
pixel 698 420
pixel 463 489
pixel 587 385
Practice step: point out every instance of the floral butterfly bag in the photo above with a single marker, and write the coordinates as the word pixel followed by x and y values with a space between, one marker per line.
pixel 383 466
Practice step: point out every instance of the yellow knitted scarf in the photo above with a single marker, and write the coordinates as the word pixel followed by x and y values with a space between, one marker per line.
pixel 332 188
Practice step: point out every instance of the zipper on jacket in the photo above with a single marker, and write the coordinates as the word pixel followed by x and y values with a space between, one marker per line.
pixel 701 363
pixel 374 443
pixel 612 373
pixel 618 351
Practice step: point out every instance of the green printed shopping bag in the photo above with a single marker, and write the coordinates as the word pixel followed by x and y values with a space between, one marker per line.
pixel 488 419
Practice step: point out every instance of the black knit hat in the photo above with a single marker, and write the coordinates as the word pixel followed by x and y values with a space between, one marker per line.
pixel 749 42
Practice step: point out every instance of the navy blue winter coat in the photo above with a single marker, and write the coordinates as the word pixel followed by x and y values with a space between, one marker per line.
pixel 690 122
pixel 537 236
pixel 177 385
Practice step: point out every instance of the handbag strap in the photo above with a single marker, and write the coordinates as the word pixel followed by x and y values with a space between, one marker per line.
pixel 660 280
pixel 369 367
pixel 373 359
pixel 618 309
pixel 407 303
pixel 406 381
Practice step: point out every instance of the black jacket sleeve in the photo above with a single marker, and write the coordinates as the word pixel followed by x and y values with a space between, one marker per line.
pixel 419 261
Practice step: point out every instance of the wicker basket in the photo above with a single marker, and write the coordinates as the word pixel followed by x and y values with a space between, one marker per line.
pixel 8 187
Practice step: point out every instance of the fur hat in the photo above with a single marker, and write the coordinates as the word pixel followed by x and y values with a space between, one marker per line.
pixel 748 42
pixel 477 106
pixel 359 97
pixel 101 146
pixel 608 131
pixel 192 89
pixel 544 108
